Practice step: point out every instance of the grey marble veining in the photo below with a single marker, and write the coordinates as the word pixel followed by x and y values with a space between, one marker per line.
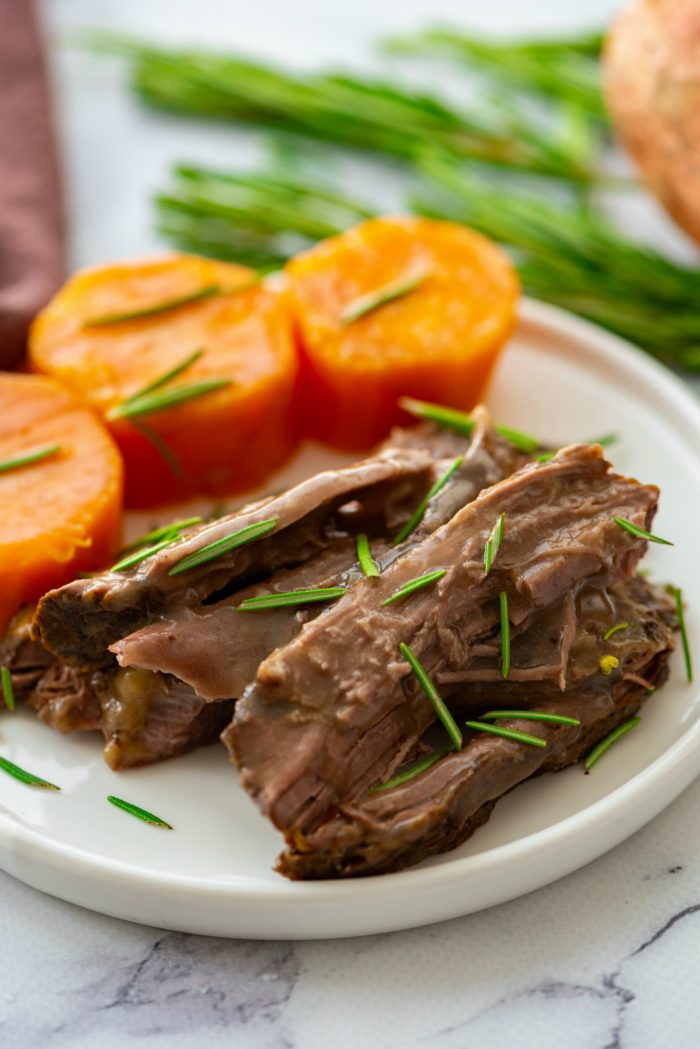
pixel 604 959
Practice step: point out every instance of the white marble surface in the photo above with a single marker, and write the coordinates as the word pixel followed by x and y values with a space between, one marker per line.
pixel 605 959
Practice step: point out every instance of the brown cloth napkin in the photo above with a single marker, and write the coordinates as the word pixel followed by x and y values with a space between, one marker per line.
pixel 31 220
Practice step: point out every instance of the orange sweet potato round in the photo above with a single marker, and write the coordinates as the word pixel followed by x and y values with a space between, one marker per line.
pixel 62 514
pixel 438 341
pixel 115 329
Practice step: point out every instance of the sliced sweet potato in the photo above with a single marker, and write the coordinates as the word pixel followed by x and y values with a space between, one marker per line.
pixel 114 330
pixel 61 514
pixel 448 299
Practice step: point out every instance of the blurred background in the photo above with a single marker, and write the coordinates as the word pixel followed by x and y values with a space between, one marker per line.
pixel 117 153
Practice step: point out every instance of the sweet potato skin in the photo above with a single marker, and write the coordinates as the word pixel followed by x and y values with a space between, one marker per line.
pixel 439 342
pixel 225 441
pixel 62 515
pixel 651 75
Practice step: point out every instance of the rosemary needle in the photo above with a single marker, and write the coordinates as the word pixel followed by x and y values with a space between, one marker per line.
pixel 493 544
pixel 451 726
pixel 415 584
pixel 614 630
pixel 639 533
pixel 162 532
pixel 25 777
pixel 411 772
pixel 161 446
pixel 291 598
pixel 505 634
pixel 8 691
pixel 223 546
pixel 34 455
pixel 148 311
pixel 508 733
pixel 141 814
pixel 159 401
pixel 364 556
pixel 605 744
pixel 462 423
pixel 418 513
pixel 529 715
pixel 678 595
pixel 365 304
pixel 141 555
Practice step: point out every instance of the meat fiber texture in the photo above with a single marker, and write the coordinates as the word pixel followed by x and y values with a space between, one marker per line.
pixel 80 620
pixel 389 829
pixel 340 703
pixel 181 642
pixel 153 709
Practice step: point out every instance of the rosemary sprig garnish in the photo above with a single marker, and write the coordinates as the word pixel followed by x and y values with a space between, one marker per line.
pixel 34 455
pixel 25 777
pixel 507 733
pixel 349 109
pixel 223 546
pixel 608 664
pixel 493 544
pixel 396 289
pixel 639 533
pixel 529 715
pixel 505 634
pixel 439 706
pixel 136 810
pixel 462 423
pixel 141 555
pixel 678 595
pixel 8 691
pixel 419 512
pixel 411 772
pixel 614 630
pixel 149 311
pixel 415 584
pixel 148 404
pixel 291 598
pixel 364 556
pixel 605 744
pixel 564 71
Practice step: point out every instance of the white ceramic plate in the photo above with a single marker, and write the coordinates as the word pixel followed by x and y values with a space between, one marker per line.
pixel 561 379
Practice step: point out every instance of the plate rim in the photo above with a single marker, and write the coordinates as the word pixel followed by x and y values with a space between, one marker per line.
pixel 673 768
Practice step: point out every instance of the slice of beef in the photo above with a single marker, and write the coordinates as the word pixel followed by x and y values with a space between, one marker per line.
pixel 183 643
pixel 144 717
pixel 398 827
pixel 148 718
pixel 336 709
pixel 557 652
pixel 159 716
pixel 80 620
pixel 26 658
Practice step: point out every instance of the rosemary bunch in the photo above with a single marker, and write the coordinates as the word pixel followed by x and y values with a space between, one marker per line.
pixel 346 109
pixel 258 219
pixel 566 69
